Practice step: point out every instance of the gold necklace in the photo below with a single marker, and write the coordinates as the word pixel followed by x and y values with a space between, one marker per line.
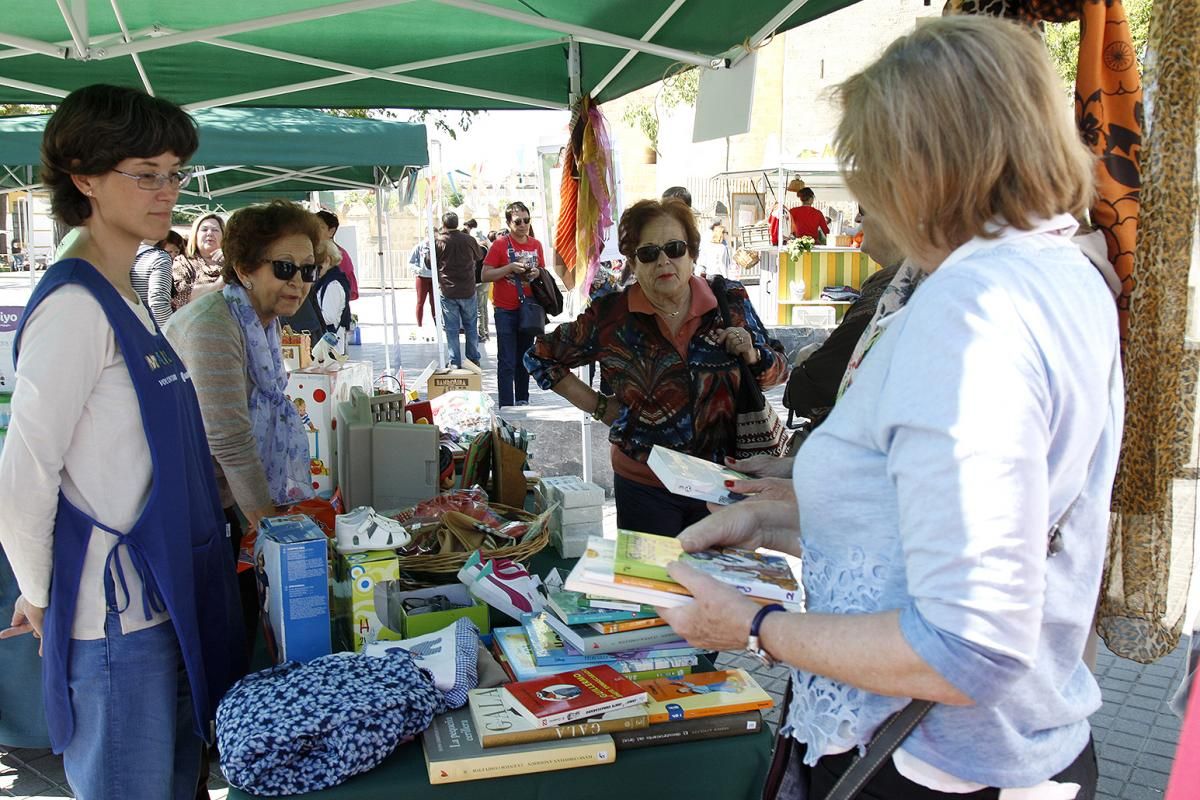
pixel 672 314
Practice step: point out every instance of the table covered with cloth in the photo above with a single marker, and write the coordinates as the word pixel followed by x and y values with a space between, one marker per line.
pixel 731 769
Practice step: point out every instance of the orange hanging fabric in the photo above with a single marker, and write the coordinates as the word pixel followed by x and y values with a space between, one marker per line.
pixel 568 200
pixel 1108 110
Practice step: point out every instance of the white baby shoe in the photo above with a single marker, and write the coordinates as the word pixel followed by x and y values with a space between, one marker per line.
pixel 362 529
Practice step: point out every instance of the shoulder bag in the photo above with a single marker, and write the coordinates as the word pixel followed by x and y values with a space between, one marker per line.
pixel 760 431
pixel 531 318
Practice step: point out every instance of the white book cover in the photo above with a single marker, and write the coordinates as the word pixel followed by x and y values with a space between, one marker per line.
pixel 689 476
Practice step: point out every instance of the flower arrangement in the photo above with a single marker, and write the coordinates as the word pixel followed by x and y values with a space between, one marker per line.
pixel 800 245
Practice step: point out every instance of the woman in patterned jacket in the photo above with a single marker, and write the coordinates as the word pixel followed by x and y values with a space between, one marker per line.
pixel 671 359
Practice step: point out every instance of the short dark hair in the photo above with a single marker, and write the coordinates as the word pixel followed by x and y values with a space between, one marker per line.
pixel 171 238
pixel 471 223
pixel 639 215
pixel 330 219
pixel 516 205
pixel 99 126
pixel 449 220
pixel 251 230
pixel 807 195
pixel 678 193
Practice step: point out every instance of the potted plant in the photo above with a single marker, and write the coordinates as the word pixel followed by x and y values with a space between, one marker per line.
pixel 799 246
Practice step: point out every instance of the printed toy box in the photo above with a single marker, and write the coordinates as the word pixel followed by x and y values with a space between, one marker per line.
pixel 316 391
pixel 366 587
pixel 290 564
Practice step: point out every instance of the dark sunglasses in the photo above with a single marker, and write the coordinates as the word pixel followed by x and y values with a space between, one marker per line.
pixel 520 220
pixel 649 253
pixel 284 270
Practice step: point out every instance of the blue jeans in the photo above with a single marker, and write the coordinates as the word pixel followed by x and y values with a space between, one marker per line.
pixel 133 716
pixel 511 346
pixel 460 313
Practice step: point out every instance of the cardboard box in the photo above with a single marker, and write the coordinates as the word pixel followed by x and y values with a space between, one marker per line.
pixel 430 621
pixel 450 380
pixel 316 391
pixel 297 350
pixel 291 565
pixel 367 582
pixel 9 317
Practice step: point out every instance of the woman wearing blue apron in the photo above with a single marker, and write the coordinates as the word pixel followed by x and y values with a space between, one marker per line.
pixel 108 509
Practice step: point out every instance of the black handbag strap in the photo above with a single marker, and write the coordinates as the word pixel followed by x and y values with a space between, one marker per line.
pixel 890 735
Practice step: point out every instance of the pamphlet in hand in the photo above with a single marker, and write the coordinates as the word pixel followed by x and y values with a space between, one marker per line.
pixel 693 477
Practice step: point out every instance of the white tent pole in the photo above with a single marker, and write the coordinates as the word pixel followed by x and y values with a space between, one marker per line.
pixel 49 91
pixel 76 19
pixel 766 30
pixel 629 54
pixel 391 258
pixel 28 244
pixel 589 35
pixel 34 46
pixel 387 347
pixel 137 61
pixel 321 83
pixel 362 72
pixel 245 26
pixel 434 185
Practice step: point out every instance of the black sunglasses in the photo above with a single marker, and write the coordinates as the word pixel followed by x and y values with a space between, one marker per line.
pixel 520 220
pixel 649 253
pixel 284 270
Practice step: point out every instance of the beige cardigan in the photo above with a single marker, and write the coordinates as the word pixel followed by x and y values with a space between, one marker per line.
pixel 213 348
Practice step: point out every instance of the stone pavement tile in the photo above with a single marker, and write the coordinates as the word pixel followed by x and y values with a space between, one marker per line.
pixel 23 782
pixel 50 767
pixel 1154 762
pixel 1159 748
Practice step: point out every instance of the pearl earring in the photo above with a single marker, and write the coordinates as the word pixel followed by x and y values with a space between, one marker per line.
pixel 249 286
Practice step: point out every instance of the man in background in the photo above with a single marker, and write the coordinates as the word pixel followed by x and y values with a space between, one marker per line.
pixel 456 256
pixel 481 288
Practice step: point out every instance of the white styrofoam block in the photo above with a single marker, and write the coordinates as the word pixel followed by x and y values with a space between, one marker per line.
pixel 583 529
pixel 571 516
pixel 571 491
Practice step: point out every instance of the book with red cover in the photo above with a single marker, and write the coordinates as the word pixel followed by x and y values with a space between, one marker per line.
pixel 577 694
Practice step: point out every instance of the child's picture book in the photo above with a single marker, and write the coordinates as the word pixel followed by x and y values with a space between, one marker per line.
pixel 568 696
pixel 641 559
pixel 693 477
pixel 704 694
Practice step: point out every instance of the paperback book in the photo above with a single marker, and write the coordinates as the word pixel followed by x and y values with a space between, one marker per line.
pixel 593 574
pixel 641 559
pixel 588 641
pixel 704 694
pixel 628 625
pixel 690 730
pixel 574 695
pixel 693 477
pixel 574 608
pixel 454 752
pixel 498 725
pixel 544 632
pixel 518 658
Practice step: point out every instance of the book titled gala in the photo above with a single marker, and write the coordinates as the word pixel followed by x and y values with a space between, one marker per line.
pixel 568 696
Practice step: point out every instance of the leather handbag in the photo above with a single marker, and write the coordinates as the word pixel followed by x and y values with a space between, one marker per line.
pixel 760 431
pixel 545 290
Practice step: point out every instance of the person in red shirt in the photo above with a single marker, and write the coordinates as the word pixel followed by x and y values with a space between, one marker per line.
pixel 512 259
pixel 331 224
pixel 805 219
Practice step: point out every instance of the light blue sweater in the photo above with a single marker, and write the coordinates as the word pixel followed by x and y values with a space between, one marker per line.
pixel 966 433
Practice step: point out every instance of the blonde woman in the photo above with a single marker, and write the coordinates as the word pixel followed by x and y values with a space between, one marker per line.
pixel 985 414
pixel 715 258
pixel 197 271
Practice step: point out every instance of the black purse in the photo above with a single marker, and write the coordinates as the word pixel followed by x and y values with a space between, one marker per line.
pixel 532 317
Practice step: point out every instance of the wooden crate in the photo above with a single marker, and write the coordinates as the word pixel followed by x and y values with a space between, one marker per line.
pixel 756 235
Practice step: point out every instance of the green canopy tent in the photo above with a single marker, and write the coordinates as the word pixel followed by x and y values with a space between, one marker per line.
pixel 469 54
pixel 250 154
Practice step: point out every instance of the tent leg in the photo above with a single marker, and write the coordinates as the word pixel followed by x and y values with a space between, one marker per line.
pixel 392 286
pixel 387 345
pixel 437 283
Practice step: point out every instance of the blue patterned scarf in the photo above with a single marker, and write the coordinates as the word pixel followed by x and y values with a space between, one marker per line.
pixel 282 443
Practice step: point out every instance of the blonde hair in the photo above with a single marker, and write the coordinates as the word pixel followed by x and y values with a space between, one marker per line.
pixel 958 126
pixel 327 251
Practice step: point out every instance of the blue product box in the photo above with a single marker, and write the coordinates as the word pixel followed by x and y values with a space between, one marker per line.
pixel 292 568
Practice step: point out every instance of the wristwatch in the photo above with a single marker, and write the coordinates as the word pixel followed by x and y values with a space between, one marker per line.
pixel 753 647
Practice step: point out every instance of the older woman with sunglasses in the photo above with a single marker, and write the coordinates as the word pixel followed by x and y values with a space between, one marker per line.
pixel 230 343
pixel 671 358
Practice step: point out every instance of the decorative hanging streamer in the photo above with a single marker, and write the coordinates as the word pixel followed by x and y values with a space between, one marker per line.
pixel 564 231
pixel 596 183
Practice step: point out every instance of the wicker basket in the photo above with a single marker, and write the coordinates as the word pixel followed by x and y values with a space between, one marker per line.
pixel 437 569
pixel 746 259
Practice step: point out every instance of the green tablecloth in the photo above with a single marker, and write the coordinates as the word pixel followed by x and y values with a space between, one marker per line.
pixel 729 769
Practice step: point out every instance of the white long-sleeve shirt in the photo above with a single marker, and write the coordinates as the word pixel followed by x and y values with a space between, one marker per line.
pixel 333 301
pixel 76 424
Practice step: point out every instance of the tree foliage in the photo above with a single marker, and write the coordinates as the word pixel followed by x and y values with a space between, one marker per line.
pixel 678 89
pixel 1062 40
pixel 441 120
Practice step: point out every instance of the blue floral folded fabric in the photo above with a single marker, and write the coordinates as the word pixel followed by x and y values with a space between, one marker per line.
pixel 298 728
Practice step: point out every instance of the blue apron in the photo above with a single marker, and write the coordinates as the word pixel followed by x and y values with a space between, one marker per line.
pixel 177 546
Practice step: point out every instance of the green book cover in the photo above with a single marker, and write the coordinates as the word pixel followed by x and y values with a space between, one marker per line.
pixel 645 555
pixel 574 608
